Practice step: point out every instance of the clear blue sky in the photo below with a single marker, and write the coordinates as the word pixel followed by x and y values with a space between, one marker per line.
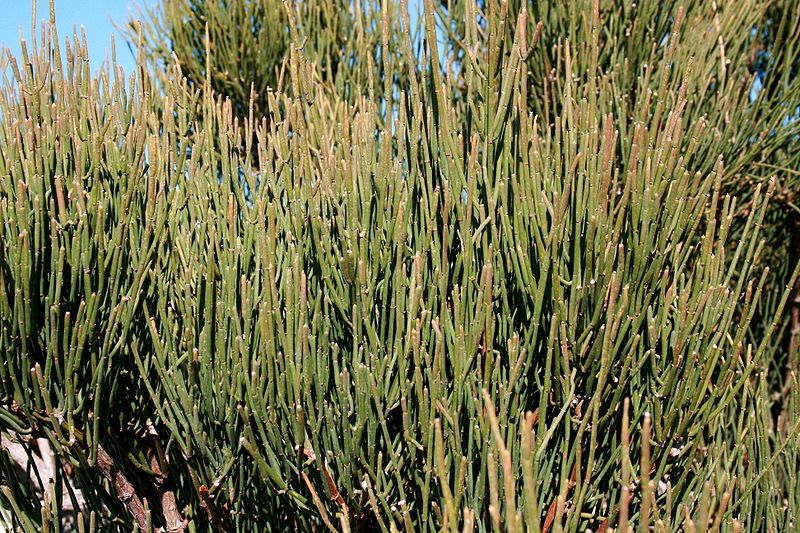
pixel 94 15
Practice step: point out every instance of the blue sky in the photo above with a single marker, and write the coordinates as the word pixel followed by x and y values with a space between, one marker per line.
pixel 95 16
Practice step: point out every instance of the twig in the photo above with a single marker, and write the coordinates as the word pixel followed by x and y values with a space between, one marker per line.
pixel 124 489
pixel 173 520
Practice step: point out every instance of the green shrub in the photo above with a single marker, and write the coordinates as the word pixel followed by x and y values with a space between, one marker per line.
pixel 248 42
pixel 534 277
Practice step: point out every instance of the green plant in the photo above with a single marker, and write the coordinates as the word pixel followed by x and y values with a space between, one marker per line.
pixel 238 49
pixel 520 283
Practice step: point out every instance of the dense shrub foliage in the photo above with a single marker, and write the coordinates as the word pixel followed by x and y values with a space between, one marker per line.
pixel 323 266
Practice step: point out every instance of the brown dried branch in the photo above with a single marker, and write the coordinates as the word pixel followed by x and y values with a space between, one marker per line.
pixel 124 489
